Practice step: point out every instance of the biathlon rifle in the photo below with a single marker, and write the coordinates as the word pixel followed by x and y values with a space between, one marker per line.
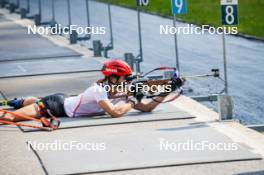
pixel 171 84
pixel 143 86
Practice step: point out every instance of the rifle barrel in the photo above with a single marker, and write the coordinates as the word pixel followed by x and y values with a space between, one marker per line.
pixel 199 76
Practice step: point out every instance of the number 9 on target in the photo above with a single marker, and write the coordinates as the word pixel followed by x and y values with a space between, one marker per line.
pixel 179 7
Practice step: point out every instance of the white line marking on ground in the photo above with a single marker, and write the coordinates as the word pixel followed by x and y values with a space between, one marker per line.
pixel 22 69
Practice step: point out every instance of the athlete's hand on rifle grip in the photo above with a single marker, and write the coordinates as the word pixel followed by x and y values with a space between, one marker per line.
pixel 137 97
pixel 177 83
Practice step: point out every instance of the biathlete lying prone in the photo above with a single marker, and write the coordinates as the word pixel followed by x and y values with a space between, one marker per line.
pixel 93 101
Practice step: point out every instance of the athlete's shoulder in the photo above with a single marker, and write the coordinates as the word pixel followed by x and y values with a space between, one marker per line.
pixel 96 88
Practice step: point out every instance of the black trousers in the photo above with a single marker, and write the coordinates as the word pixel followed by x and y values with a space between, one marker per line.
pixel 55 103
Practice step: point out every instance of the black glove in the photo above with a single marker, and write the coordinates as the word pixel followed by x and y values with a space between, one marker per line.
pixel 137 92
pixel 139 96
pixel 135 99
pixel 177 83
pixel 137 87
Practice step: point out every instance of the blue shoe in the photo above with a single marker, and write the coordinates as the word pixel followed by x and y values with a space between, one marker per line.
pixel 16 103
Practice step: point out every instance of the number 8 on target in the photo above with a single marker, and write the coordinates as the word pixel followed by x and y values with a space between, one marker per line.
pixel 229 12
pixel 179 7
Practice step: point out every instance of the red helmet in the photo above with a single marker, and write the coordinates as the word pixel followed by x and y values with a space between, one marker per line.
pixel 116 67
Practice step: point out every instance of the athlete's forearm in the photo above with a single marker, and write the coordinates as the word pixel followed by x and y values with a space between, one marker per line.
pixel 115 110
pixel 120 110
pixel 148 107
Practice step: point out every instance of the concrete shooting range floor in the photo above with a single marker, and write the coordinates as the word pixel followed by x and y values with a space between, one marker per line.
pixel 161 113
pixel 48 66
pixel 16 44
pixel 3 19
pixel 138 149
pixel 71 84
pixel 131 142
